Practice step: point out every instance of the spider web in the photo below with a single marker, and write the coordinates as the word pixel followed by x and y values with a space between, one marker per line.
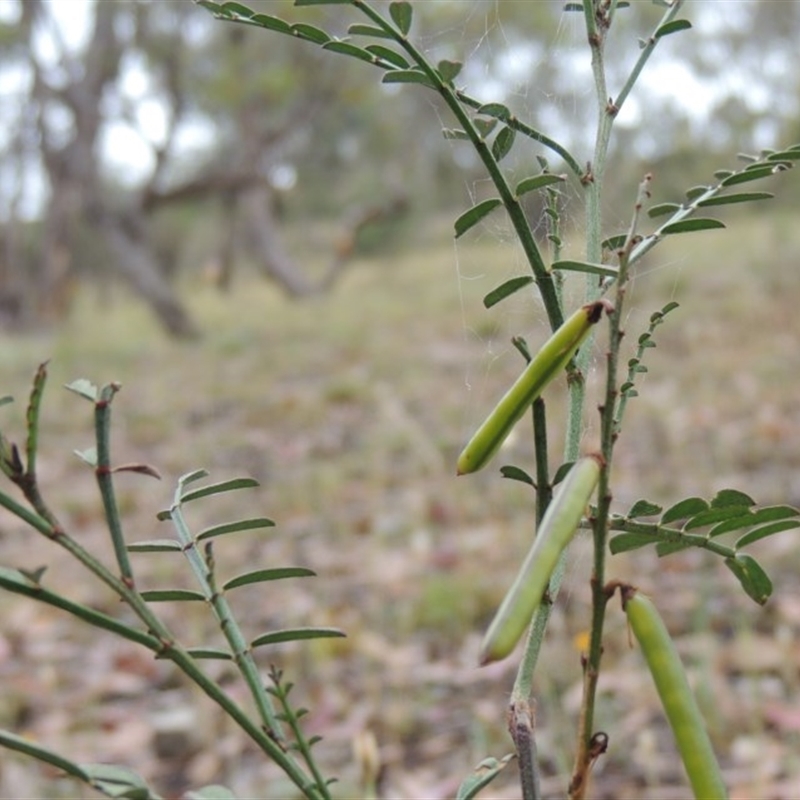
pixel 546 80
pixel 500 65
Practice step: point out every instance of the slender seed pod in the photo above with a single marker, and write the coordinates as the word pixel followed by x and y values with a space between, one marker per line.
pixel 676 696
pixel 555 532
pixel 548 362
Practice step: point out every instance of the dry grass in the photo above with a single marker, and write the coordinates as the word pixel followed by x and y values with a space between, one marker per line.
pixel 350 409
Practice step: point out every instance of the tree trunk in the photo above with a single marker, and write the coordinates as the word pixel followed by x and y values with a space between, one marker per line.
pixel 135 262
pixel 267 245
pixel 78 197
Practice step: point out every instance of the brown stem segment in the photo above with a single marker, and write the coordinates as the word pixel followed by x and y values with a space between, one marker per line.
pixel 521 727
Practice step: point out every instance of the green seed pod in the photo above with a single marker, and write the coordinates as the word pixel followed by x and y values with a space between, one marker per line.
pixel 676 696
pixel 555 532
pixel 548 362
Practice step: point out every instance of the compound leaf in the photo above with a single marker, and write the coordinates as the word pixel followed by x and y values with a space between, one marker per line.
pixel 497 110
pixel 748 175
pixel 162 595
pixel 672 27
pixel 503 143
pixel 516 474
pixel 586 267
pixel 407 76
pixel 237 9
pixel 358 29
pixel 388 54
pixel 448 70
pixel 155 546
pixel 401 13
pixel 713 515
pixel 624 542
pixel 271 23
pixel 537 182
pixel 347 49
pixel 726 498
pixel 84 388
pixel 310 33
pixel 209 653
pixel 741 197
pixel 661 209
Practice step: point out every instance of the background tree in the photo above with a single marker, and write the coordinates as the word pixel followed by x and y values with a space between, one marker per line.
pixel 211 131
pixel 91 214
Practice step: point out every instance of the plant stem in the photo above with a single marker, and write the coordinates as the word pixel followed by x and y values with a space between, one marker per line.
pixel 597 22
pixel 647 51
pixel 544 277
pixel 526 130
pixel 661 533
pixel 242 654
pixel 158 638
pixel 544 491
pixel 15 581
pixel 593 182
pixel 160 641
pixel 586 753
pixel 521 727
pixel 32 418
pixel 521 715
pixel 102 422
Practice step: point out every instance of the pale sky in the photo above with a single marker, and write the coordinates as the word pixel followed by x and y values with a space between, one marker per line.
pixel 126 151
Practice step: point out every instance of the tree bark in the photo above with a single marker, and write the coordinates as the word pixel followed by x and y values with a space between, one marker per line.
pixel 136 263
pixel 267 245
pixel 78 198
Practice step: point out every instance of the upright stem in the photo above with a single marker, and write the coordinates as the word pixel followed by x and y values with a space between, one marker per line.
pixel 102 421
pixel 587 749
pixel 576 375
pixel 159 639
pixel 544 491
pixel 596 28
pixel 576 380
pixel 598 19
pixel 203 569
pixel 522 716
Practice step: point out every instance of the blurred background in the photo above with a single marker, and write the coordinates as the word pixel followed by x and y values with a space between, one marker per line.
pixel 255 237
pixel 146 143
